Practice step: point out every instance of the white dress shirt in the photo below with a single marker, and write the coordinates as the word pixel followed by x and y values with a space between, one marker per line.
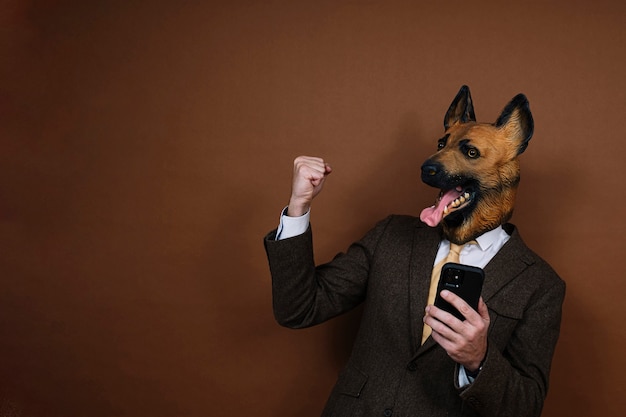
pixel 479 255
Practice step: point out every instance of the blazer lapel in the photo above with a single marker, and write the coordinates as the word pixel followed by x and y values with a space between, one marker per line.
pixel 425 246
pixel 508 263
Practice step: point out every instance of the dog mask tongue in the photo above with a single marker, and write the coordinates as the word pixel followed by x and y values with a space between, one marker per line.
pixel 432 215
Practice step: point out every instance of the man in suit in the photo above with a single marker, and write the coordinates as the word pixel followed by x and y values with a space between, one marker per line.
pixel 411 358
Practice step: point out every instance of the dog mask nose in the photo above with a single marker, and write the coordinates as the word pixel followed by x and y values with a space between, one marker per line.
pixel 432 173
pixel 430 169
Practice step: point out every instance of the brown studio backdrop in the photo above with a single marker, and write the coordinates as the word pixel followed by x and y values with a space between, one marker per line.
pixel 146 148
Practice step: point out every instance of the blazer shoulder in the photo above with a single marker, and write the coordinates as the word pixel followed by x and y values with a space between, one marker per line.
pixel 409 222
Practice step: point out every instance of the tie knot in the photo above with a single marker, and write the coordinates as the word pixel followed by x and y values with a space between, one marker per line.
pixel 456 249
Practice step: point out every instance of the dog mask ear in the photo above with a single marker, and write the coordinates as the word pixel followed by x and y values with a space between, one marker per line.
pixel 461 110
pixel 518 121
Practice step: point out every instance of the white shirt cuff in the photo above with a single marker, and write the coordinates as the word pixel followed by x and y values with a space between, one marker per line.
pixel 464 379
pixel 292 226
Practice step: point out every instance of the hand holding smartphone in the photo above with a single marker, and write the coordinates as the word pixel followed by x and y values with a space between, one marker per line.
pixel 463 280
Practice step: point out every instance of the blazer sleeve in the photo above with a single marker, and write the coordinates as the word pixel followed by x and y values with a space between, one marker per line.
pixel 514 378
pixel 304 294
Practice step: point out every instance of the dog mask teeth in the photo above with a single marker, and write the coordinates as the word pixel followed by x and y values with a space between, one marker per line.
pixel 457 202
pixel 462 199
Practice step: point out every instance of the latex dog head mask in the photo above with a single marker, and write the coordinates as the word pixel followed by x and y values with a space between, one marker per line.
pixel 476 168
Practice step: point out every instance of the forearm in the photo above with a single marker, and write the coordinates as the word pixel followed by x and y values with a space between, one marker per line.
pixel 305 294
pixel 501 390
pixel 292 267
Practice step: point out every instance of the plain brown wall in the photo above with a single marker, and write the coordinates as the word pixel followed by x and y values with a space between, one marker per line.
pixel 146 148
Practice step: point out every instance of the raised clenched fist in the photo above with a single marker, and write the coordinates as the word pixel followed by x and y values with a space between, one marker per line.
pixel 309 174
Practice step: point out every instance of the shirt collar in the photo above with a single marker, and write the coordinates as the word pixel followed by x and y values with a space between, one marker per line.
pixel 487 239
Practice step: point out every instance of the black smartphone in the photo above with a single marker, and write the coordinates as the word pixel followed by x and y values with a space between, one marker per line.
pixel 463 280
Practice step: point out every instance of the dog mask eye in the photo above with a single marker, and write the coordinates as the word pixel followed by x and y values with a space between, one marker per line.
pixel 468 150
pixel 473 153
pixel 441 143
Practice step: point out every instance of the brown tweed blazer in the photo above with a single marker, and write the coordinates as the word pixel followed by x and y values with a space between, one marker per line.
pixel 388 372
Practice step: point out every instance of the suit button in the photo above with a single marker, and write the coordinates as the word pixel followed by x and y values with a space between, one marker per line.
pixel 474 402
pixel 388 412
pixel 412 366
